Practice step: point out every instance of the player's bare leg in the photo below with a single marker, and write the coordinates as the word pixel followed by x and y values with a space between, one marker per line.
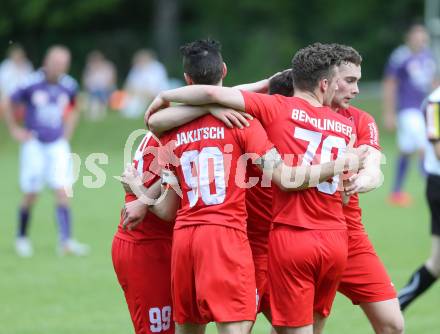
pixel 319 323
pixel 294 330
pixel 189 328
pixel 385 316
pixel 236 327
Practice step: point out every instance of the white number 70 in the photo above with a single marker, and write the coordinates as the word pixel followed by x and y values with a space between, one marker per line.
pixel 314 138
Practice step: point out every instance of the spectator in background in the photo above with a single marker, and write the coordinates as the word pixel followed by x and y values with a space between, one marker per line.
pixel 49 97
pixel 145 80
pixel 13 71
pixel 99 80
pixel 409 76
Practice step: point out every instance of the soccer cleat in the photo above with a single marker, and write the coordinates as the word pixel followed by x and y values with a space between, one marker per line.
pixel 23 247
pixel 401 199
pixel 73 247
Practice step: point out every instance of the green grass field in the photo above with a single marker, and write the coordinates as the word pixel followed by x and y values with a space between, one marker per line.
pixel 48 294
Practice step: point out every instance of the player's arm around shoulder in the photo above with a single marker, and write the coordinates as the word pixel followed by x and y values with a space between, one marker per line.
pixel 198 95
pixel 178 115
pixel 261 86
pixel 296 178
pixel 172 117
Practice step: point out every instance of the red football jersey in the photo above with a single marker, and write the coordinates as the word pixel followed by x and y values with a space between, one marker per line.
pixel 211 173
pixel 152 227
pixel 259 210
pixel 304 134
pixel 367 134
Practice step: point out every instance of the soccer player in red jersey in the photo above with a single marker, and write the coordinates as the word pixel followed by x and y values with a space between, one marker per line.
pixel 212 269
pixel 259 206
pixel 142 255
pixel 304 278
pixel 365 280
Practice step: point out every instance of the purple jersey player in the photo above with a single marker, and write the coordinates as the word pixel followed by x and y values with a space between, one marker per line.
pixel 409 77
pixel 48 97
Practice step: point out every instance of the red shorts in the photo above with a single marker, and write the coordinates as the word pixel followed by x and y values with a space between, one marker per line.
pixel 260 264
pixel 365 279
pixel 305 267
pixel 212 275
pixel 144 273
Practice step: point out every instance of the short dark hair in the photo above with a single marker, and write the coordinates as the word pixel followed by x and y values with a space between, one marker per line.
pixel 282 83
pixel 202 61
pixel 347 54
pixel 312 64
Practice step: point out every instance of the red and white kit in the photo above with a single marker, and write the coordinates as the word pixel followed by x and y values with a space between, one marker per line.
pixel 308 243
pixel 142 259
pixel 365 279
pixel 213 275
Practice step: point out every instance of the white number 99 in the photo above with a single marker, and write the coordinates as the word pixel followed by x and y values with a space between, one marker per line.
pixel 160 321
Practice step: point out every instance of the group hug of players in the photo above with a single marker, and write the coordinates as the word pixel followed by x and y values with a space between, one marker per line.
pixel 258 207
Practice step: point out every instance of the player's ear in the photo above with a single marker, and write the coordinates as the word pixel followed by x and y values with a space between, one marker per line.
pixel 188 79
pixel 225 70
pixel 323 85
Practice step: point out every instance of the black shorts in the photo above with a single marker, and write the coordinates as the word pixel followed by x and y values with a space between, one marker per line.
pixel 433 196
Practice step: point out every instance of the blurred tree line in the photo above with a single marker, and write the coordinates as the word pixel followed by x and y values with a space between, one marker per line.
pixel 259 37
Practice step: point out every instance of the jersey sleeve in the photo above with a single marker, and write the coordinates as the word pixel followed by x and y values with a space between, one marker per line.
pixel 433 121
pixel 367 132
pixel 142 162
pixel 254 139
pixel 71 86
pixel 146 160
pixel 262 106
pixel 20 95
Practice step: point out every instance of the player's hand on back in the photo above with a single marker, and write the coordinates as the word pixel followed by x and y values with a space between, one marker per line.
pixel 231 118
pixel 21 134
